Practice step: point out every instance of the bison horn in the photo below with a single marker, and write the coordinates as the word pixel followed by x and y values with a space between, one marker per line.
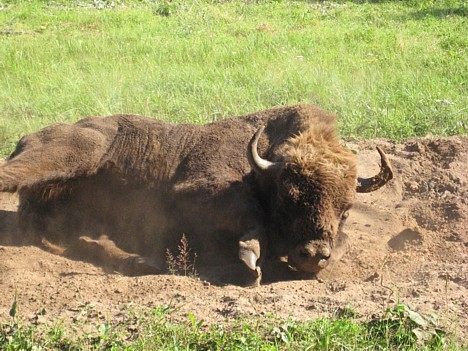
pixel 258 164
pixel 366 185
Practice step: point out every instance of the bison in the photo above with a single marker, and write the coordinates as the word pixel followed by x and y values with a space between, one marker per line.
pixel 248 190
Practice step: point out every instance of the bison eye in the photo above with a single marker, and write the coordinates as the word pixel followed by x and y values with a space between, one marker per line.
pixel 344 216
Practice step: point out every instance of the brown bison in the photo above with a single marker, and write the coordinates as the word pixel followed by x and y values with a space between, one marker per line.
pixel 261 187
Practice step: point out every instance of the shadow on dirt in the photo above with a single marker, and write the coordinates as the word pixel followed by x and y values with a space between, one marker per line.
pixel 8 228
pixel 234 274
pixel 406 237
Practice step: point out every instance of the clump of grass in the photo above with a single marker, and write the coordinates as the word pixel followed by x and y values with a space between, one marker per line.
pixel 155 329
pixel 184 262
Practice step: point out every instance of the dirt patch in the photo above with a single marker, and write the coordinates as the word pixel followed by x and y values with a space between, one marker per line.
pixel 407 243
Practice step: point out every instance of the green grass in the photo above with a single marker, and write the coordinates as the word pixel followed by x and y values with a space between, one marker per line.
pixel 388 68
pixel 398 329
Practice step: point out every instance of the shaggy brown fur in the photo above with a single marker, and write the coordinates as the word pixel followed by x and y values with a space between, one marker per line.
pixel 144 183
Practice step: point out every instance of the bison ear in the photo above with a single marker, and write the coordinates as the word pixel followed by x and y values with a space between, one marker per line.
pixel 258 164
pixel 366 185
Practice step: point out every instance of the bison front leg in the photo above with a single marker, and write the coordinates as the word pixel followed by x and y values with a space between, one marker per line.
pixel 110 255
pixel 252 249
pixel 105 252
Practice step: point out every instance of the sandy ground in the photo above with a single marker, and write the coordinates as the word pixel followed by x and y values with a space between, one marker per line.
pixel 408 243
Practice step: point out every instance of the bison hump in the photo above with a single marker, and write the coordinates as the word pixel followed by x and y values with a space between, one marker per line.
pixel 136 149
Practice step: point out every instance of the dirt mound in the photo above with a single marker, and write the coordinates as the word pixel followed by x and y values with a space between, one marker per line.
pixel 407 243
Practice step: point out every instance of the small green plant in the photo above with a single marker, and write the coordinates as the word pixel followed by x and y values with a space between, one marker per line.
pixel 167 8
pixel 184 262
pixel 14 306
pixel 424 328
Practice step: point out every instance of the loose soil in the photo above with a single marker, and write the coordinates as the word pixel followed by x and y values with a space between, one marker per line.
pixel 408 243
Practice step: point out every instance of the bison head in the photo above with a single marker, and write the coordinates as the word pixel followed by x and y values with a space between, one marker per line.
pixel 310 192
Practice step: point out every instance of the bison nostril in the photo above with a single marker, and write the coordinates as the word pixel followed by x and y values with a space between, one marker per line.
pixel 325 252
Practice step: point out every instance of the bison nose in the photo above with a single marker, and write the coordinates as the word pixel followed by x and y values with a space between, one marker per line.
pixel 306 252
pixel 312 251
pixel 311 256
pixel 324 254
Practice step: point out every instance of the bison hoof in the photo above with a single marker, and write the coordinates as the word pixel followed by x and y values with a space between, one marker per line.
pixel 138 265
pixel 54 249
pixel 257 277
pixel 249 258
pixel 253 279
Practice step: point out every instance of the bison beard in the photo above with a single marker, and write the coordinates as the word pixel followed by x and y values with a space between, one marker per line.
pixel 143 183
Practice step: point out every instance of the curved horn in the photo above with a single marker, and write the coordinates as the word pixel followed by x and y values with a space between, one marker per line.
pixel 258 164
pixel 366 185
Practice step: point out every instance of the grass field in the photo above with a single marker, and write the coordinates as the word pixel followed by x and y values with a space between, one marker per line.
pixel 391 68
